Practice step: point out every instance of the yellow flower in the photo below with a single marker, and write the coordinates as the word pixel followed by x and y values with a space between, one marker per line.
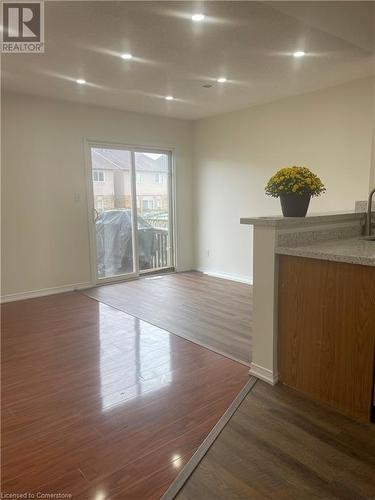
pixel 297 180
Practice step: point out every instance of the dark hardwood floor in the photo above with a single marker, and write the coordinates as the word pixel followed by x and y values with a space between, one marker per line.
pixel 214 312
pixel 281 446
pixel 100 404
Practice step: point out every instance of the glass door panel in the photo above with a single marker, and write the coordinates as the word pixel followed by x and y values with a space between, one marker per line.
pixel 152 175
pixel 113 207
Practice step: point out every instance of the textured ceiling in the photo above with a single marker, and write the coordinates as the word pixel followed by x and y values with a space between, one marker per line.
pixel 250 43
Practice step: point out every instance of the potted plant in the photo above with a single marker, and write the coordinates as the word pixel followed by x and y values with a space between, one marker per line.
pixel 294 186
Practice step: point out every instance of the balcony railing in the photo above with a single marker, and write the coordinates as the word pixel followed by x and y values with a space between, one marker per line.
pixel 160 258
pixel 157 223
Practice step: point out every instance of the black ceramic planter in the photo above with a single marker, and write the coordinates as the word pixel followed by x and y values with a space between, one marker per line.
pixel 294 205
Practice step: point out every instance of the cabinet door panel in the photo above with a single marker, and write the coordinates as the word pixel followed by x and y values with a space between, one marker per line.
pixel 327 331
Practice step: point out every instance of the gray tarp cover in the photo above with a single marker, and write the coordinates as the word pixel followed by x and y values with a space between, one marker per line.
pixel 114 242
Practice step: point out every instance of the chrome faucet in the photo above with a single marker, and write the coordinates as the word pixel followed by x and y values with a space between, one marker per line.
pixel 368 218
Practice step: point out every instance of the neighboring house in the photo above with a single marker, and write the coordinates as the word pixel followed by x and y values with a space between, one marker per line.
pixel 111 180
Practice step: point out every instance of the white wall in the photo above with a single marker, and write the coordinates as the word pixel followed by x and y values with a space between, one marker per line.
pixel 45 237
pixel 372 170
pixel 235 153
pixel 44 218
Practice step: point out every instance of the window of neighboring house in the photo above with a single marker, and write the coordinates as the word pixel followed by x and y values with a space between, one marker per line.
pixel 99 204
pixel 159 203
pixel 98 176
pixel 139 178
pixel 159 178
pixel 148 204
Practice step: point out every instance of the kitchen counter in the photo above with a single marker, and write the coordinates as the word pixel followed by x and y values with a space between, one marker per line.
pixel 316 239
pixel 280 222
pixel 325 330
pixel 352 251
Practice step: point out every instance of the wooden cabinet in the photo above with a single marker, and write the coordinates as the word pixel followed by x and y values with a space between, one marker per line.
pixel 326 332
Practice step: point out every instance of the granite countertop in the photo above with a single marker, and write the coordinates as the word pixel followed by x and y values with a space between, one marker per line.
pixel 352 251
pixel 281 222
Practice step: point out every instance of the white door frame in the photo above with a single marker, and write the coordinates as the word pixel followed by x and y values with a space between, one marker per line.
pixel 88 144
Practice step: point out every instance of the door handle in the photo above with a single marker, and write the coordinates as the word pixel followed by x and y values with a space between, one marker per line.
pixel 96 215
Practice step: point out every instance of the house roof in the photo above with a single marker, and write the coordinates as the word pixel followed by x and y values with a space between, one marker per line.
pixel 116 159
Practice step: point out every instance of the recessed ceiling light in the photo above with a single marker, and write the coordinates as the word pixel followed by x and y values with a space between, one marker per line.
pixel 222 79
pixel 299 53
pixel 169 98
pixel 81 81
pixel 198 17
pixel 126 56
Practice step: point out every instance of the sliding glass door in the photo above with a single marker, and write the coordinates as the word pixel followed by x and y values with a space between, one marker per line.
pixel 153 210
pixel 132 211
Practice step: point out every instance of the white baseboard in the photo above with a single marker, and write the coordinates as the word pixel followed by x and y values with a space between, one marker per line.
pixel 82 286
pixel 264 374
pixel 227 276
pixel 43 292
pixel 184 269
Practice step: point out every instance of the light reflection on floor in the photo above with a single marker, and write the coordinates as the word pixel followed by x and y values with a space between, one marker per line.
pixel 176 461
pixel 127 368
